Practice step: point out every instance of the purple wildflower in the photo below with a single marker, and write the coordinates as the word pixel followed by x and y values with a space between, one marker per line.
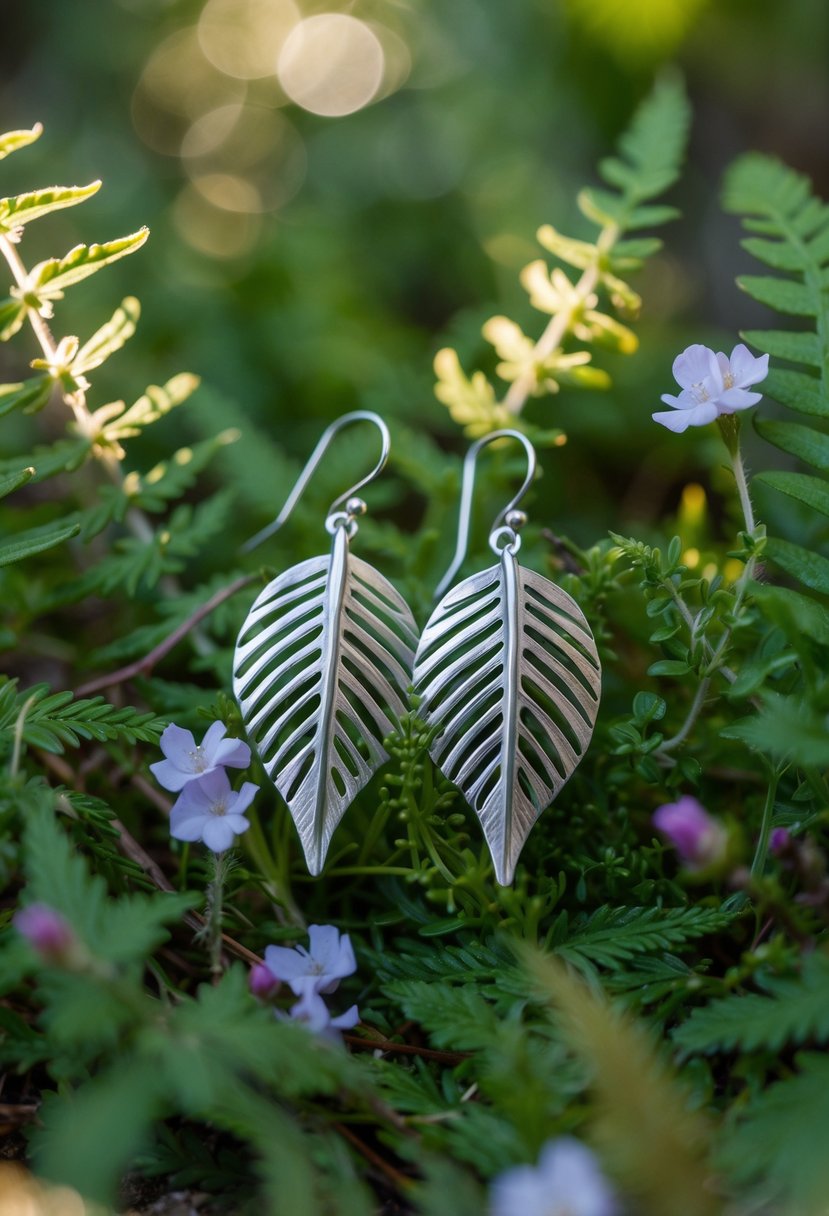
pixel 780 840
pixel 312 1011
pixel 209 810
pixel 187 761
pixel 698 838
pixel 262 982
pixel 320 969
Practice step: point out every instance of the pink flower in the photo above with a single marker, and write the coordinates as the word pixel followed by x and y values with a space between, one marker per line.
pixel 187 761
pixel 780 840
pixel 698 838
pixel 319 969
pixel 46 931
pixel 262 982
pixel 209 810
pixel 711 384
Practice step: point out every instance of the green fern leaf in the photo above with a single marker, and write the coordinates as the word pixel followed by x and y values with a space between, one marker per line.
pixel 36 540
pixel 611 936
pixel 29 396
pixel 810 446
pixel 794 1011
pixel 780 1139
pixel 811 491
pixel 13 481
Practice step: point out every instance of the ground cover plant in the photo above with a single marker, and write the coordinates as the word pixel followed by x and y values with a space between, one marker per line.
pixel 637 1023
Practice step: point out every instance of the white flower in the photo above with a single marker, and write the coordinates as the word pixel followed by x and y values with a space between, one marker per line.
pixel 186 760
pixel 319 969
pixel 566 1182
pixel 208 809
pixel 711 384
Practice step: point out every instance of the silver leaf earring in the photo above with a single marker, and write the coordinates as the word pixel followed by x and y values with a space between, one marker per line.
pixel 509 678
pixel 322 665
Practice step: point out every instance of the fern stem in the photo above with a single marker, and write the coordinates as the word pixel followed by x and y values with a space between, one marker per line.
pixel 761 852
pixel 558 325
pixel 214 915
pixel 690 718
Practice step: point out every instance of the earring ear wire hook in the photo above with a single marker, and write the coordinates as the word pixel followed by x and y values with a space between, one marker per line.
pixel 467 486
pixel 310 467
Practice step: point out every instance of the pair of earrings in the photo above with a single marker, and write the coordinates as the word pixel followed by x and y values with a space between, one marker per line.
pixel 506 671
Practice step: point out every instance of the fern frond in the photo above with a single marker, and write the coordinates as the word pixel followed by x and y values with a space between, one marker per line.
pixel 794 1011
pixel 793 238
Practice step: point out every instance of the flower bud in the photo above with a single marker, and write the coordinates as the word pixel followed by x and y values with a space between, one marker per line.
pixel 700 840
pixel 47 932
pixel 262 982
pixel 780 840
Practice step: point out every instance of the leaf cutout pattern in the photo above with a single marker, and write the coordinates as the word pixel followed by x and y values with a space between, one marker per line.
pixel 507 670
pixel 321 670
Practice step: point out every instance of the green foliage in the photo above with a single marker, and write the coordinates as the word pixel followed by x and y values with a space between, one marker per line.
pixel 650 155
pixel 54 721
pixel 793 1011
pixel 778 203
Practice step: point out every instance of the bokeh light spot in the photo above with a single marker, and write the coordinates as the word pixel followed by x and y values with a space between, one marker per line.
pixel 331 64
pixel 243 38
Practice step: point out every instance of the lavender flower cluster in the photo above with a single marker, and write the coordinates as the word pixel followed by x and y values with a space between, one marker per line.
pixel 207 808
pixel 310 974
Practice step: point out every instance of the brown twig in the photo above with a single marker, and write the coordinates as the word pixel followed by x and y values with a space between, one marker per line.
pixel 401 1181
pixel 406 1049
pixel 143 667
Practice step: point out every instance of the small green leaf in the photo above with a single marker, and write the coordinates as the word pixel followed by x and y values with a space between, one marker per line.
pixel 780 255
pixel 794 345
pixel 811 491
pixel 12 316
pixel 9 484
pixel 49 279
pixel 13 140
pixel 109 337
pixel 36 540
pixel 798 391
pixel 810 568
pixel 23 208
pixel 781 294
pixel 668 667
pixel 801 441
pixel 29 396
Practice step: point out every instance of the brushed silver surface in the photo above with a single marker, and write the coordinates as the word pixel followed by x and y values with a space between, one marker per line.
pixel 508 671
pixel 321 671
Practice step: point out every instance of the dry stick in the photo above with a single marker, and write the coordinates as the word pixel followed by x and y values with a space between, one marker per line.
pixel 143 667
pixel 427 1053
pixel 401 1181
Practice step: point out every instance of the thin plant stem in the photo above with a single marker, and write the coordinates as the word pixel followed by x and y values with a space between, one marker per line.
pixel 215 894
pixel 758 865
pixel 558 325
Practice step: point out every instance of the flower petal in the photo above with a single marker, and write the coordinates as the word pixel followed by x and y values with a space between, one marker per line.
pixel 232 753
pixel 737 399
pixel 677 421
pixel 212 741
pixel 745 369
pixel 176 743
pixel 694 365
pixel 347 1020
pixel 239 802
pixel 187 824
pixel 218 834
pixel 288 964
pixel 238 823
pixel 169 776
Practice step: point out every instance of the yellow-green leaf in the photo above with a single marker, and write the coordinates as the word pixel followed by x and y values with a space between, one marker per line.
pixel 12 316
pixel 13 140
pixel 49 279
pixel 109 338
pixel 154 404
pixel 22 208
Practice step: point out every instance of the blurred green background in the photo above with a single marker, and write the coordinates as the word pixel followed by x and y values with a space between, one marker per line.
pixel 336 190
